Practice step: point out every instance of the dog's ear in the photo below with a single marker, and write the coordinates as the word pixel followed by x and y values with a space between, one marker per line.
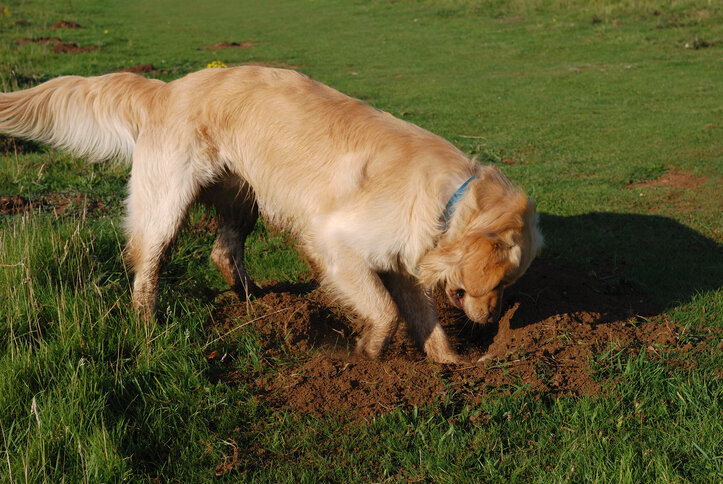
pixel 499 208
pixel 441 265
pixel 485 264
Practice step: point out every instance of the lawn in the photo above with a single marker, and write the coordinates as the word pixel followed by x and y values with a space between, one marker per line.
pixel 608 361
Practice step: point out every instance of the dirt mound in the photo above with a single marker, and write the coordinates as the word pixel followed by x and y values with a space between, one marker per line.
pixel 557 320
pixel 279 65
pixel 229 45
pixel 142 69
pixel 61 203
pixel 9 145
pixel 72 48
pixel 59 47
pixel 66 24
pixel 38 40
pixel 673 179
pixel 15 204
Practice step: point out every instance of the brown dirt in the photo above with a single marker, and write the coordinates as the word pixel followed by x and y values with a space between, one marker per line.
pixel 673 179
pixel 557 320
pixel 676 191
pixel 229 45
pixel 15 205
pixel 9 146
pixel 66 24
pixel 281 65
pixel 38 40
pixel 59 47
pixel 142 69
pixel 62 204
pixel 72 48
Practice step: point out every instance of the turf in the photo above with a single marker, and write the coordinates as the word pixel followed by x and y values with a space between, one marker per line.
pixel 584 104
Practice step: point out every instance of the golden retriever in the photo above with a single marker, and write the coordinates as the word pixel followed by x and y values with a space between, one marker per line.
pixel 384 209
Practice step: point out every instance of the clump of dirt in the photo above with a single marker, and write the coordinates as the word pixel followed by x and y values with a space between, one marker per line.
pixel 15 205
pixel 72 48
pixel 59 47
pixel 60 204
pixel 205 224
pixel 673 179
pixel 74 204
pixel 66 24
pixel 229 45
pixel 10 145
pixel 142 69
pixel 556 322
pixel 280 65
pixel 38 40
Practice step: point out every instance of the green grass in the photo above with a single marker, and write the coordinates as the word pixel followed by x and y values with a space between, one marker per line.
pixel 575 101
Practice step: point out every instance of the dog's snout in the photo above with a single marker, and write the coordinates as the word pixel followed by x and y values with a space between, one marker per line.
pixel 483 309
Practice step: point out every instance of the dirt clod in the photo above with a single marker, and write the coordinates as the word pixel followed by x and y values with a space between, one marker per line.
pixel 59 46
pixel 72 48
pixel 142 69
pixel 15 204
pixel 63 204
pixel 66 24
pixel 229 45
pixel 673 179
pixel 11 146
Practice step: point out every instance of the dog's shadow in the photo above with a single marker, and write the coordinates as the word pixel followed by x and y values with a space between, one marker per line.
pixel 614 266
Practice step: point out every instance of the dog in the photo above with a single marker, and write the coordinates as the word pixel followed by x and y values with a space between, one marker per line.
pixel 384 210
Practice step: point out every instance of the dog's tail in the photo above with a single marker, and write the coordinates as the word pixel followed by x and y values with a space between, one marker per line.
pixel 95 117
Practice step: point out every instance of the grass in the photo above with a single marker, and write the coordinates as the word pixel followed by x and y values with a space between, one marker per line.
pixel 575 101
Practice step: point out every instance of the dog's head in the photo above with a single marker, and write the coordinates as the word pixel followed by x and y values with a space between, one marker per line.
pixel 492 239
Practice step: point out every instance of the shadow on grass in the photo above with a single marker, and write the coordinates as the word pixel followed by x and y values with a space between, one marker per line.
pixel 616 266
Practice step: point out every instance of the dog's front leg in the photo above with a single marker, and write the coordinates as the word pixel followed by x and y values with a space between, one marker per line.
pixel 417 308
pixel 351 280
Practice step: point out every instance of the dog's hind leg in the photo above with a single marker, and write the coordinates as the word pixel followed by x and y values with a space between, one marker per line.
pixel 417 309
pixel 237 213
pixel 161 190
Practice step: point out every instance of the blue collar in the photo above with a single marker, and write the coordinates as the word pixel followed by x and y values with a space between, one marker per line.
pixel 449 209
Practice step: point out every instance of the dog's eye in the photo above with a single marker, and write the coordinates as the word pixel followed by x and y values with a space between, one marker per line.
pixel 459 293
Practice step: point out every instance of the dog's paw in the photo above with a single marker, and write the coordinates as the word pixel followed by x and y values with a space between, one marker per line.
pixel 485 357
pixel 366 350
pixel 447 358
pixel 246 289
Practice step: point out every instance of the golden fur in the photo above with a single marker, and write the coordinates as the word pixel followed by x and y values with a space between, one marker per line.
pixel 361 190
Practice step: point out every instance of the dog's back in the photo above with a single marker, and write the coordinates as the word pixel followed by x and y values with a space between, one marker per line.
pixel 276 127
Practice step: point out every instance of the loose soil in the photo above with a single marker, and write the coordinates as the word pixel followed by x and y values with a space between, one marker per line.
pixel 673 179
pixel 15 205
pixel 61 204
pixel 556 324
pixel 229 45
pixel 279 65
pixel 66 24
pixel 11 146
pixel 59 47
pixel 673 192
pixel 142 69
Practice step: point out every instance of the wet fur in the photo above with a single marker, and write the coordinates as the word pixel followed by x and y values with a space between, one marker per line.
pixel 361 190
